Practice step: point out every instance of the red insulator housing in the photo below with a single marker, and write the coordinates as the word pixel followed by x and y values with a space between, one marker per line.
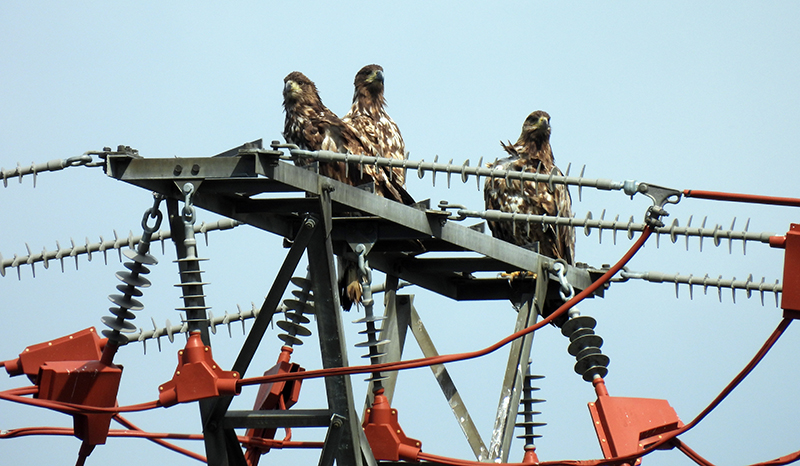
pixel 626 426
pixel 271 396
pixel 386 437
pixel 790 297
pixel 85 345
pixel 90 383
pixel 197 376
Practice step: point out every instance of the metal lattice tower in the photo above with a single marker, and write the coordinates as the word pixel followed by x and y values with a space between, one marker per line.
pixel 228 184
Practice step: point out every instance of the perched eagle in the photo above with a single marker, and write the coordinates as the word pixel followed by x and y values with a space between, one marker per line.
pixel 312 126
pixel 375 128
pixel 532 153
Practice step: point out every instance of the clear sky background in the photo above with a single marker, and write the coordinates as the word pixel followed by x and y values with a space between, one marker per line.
pixel 689 95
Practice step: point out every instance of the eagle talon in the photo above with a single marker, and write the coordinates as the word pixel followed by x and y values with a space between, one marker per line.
pixel 518 275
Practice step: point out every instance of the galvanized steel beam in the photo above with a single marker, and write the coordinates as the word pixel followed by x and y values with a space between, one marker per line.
pixel 446 384
pixel 332 340
pixel 518 355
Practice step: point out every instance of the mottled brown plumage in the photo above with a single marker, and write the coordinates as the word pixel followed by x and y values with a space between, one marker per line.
pixel 532 153
pixel 312 126
pixel 375 128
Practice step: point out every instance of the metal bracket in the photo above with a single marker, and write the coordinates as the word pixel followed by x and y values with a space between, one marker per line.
pixel 457 216
pixel 660 197
pixel 332 439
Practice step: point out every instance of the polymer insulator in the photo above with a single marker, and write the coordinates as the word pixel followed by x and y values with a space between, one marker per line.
pixel 118 243
pixel 585 346
pixel 588 223
pixel 132 281
pixel 526 408
pixel 293 313
pixel 373 343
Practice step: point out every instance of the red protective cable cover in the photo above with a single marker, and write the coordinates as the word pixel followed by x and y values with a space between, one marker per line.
pixel 749 198
pixel 71 408
pixel 424 362
pixel 693 455
pixel 162 442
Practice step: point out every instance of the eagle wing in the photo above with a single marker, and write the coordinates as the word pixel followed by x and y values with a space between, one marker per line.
pixel 381 136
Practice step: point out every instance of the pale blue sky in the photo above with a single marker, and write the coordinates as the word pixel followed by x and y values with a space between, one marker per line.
pixel 682 94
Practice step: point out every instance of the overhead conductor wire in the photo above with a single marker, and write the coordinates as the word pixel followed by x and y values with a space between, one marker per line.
pixel 16 395
pixel 737 197
pixel 668 438
pixel 424 362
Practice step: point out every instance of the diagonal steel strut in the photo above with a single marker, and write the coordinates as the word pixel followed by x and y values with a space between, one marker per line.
pixel 212 420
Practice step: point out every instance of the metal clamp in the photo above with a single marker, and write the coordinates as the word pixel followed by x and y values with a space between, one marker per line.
pixel 566 291
pixel 154 213
pixel 661 196
pixel 457 210
pixel 188 209
pixel 365 275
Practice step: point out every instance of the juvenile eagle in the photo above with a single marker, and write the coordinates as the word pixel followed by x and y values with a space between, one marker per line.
pixel 532 153
pixel 375 128
pixel 312 126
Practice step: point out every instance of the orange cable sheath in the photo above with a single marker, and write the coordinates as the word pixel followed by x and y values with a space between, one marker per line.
pixel 770 342
pixel 736 197
pixel 162 442
pixel 424 362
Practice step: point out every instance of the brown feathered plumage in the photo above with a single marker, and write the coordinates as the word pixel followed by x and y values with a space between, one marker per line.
pixel 532 153
pixel 312 126
pixel 375 128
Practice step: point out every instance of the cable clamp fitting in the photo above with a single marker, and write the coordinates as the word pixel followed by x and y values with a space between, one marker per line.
pixel 454 210
pixel 566 291
pixel 661 196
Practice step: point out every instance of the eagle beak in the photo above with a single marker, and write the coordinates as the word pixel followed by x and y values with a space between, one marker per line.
pixel 376 75
pixel 543 124
pixel 291 88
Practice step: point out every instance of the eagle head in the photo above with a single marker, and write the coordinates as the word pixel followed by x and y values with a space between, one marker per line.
pixel 297 87
pixel 536 126
pixel 369 78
